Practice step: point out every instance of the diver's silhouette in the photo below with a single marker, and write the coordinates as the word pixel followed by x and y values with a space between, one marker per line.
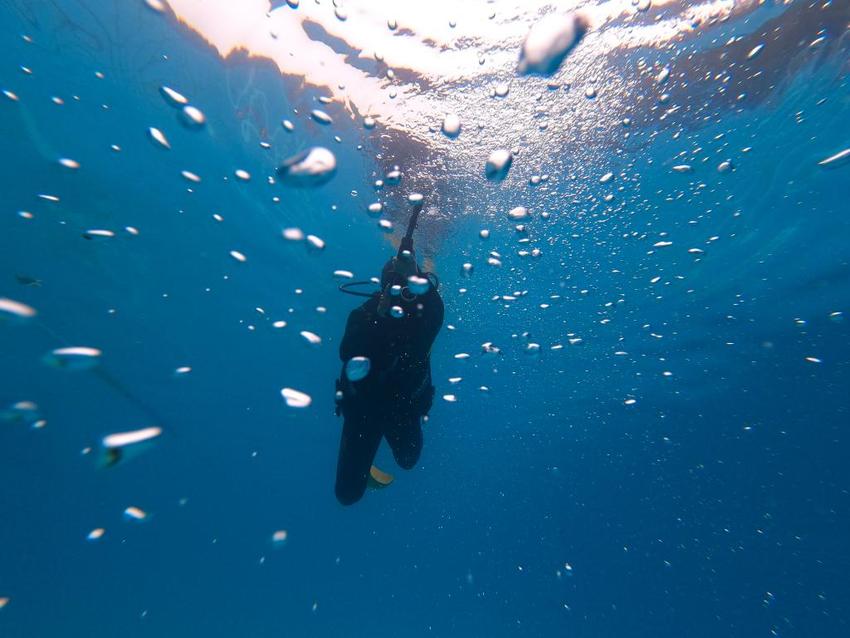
pixel 394 329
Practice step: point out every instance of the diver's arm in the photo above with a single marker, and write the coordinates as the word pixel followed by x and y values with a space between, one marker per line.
pixel 433 316
pixel 432 321
pixel 426 327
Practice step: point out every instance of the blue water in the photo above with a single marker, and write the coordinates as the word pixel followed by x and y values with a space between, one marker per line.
pixel 715 504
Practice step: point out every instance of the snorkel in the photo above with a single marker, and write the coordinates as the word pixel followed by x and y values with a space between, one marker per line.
pixel 417 201
pixel 398 270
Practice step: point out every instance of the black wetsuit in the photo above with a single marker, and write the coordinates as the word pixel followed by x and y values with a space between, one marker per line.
pixel 391 400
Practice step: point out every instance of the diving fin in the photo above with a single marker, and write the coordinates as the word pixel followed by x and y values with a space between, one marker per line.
pixel 378 479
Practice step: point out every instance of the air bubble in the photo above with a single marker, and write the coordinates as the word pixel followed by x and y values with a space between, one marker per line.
pixel 498 164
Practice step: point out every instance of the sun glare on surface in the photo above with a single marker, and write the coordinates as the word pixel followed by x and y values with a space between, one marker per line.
pixel 440 42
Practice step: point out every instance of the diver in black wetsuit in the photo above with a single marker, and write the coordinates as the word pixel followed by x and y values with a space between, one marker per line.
pixel 394 329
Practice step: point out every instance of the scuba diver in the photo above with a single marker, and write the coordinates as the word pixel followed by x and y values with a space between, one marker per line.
pixel 385 388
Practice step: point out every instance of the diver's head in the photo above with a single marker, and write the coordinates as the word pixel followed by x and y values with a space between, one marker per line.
pixel 397 270
pixel 394 281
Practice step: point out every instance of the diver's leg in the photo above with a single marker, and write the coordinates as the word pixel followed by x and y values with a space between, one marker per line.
pixel 404 436
pixel 357 448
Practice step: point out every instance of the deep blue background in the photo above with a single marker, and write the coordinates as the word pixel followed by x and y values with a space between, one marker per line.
pixel 717 504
